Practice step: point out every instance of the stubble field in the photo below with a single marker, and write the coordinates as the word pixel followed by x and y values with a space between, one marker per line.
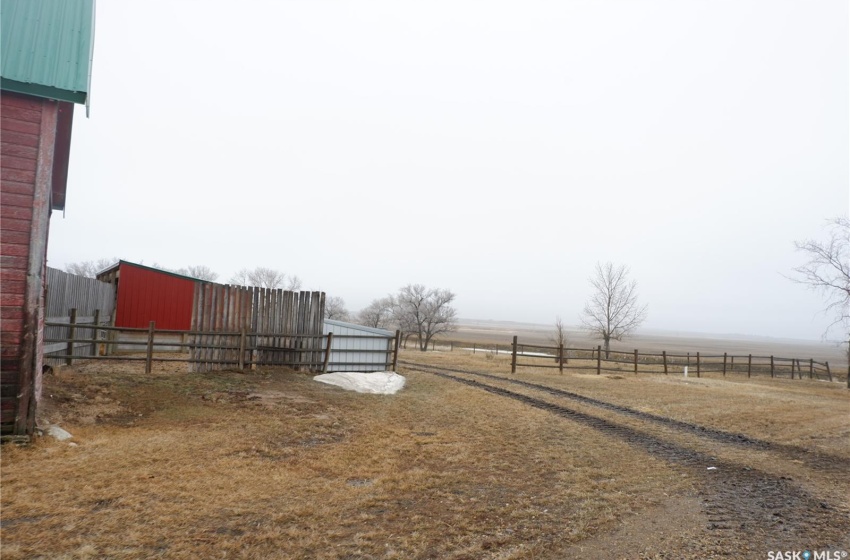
pixel 466 461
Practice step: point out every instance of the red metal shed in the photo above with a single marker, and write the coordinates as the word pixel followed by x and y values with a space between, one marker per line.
pixel 146 294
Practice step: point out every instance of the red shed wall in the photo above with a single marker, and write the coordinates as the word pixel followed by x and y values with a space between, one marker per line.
pixel 146 295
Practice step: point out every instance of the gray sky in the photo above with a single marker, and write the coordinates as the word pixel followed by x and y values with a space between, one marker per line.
pixel 497 149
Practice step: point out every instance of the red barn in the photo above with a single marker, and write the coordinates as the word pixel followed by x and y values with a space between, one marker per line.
pixel 147 294
pixel 46 59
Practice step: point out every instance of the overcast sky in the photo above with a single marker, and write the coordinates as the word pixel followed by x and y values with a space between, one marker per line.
pixel 497 149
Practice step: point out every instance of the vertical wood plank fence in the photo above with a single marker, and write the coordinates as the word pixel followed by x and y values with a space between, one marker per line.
pixel 79 300
pixel 285 326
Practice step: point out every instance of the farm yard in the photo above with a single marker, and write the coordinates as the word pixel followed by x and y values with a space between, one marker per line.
pixel 467 461
pixel 173 409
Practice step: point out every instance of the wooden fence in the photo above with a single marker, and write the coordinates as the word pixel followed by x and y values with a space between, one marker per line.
pixel 212 350
pixel 78 300
pixel 695 364
pixel 74 335
pixel 282 324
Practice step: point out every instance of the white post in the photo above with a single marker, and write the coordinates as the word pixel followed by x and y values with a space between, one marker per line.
pixel 686 371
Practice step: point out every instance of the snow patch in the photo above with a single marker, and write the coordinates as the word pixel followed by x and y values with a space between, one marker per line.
pixel 58 433
pixel 376 382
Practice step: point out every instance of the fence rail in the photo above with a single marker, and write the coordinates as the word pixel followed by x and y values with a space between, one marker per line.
pixel 84 338
pixel 75 299
pixel 617 361
pixel 207 350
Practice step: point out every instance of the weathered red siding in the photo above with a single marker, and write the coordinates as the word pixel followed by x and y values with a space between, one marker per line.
pixel 20 122
pixel 146 295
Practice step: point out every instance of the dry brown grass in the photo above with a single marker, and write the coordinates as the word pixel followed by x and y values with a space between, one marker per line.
pixel 806 413
pixel 273 465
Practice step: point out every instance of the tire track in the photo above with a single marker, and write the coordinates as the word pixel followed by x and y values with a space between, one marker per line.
pixel 812 459
pixel 745 507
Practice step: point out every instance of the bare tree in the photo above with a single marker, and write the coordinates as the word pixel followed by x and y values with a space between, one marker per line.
pixel 559 334
pixel 89 269
pixel 828 271
pixel 425 312
pixel 201 272
pixel 377 314
pixel 335 309
pixel 263 277
pixel 240 278
pixel 613 310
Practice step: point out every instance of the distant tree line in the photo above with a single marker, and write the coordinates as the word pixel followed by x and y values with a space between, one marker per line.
pixel 416 310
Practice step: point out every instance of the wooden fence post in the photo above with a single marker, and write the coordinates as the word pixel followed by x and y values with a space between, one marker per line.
pixel 697 364
pixel 95 332
pixel 328 352
pixel 636 360
pixel 829 373
pixel 72 333
pixel 724 364
pixel 149 359
pixel 772 370
pixel 792 368
pixel 395 354
pixel 598 359
pixel 664 358
pixel 513 356
pixel 749 364
pixel 242 338
pixel 561 358
pixel 811 368
pixel 473 348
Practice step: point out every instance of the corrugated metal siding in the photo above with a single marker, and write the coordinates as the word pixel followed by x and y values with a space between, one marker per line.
pixel 47 47
pixel 357 361
pixel 146 295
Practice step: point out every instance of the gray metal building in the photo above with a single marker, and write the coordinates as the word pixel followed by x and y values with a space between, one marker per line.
pixel 359 348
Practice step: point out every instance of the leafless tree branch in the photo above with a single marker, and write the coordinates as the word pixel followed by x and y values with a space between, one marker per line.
pixel 827 271
pixel 613 310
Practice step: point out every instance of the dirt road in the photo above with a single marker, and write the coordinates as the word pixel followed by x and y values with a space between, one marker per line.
pixel 750 495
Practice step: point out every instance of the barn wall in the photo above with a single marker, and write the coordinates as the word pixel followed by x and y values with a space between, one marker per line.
pixel 146 295
pixel 20 122
pixel 28 135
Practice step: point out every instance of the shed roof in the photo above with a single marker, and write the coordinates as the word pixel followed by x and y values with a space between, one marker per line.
pixel 112 268
pixel 46 48
pixel 330 323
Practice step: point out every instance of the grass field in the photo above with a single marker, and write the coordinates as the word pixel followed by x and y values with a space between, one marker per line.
pixel 271 464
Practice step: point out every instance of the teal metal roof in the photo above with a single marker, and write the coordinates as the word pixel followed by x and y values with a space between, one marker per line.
pixel 46 48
